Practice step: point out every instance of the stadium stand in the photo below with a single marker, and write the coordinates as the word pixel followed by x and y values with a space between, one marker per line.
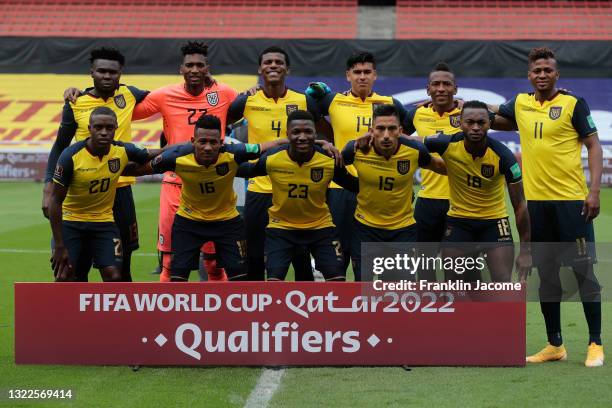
pixel 331 19
pixel 503 20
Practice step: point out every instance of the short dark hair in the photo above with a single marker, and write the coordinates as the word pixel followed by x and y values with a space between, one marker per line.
pixel 194 47
pixel 299 115
pixel 276 49
pixel 384 110
pixel 361 57
pixel 442 66
pixel 106 53
pixel 474 105
pixel 208 122
pixel 539 53
pixel 102 110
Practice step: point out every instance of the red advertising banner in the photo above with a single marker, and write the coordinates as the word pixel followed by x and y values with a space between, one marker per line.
pixel 252 323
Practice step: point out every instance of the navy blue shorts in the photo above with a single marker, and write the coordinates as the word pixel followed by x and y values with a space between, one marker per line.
pixel 84 240
pixel 342 204
pixel 558 222
pixel 229 238
pixel 475 230
pixel 430 215
pixel 365 233
pixel 282 245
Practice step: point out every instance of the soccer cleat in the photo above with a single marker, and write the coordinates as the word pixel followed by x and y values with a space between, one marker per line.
pixel 595 356
pixel 548 353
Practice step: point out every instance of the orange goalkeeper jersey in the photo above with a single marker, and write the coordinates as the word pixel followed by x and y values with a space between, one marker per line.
pixel 180 110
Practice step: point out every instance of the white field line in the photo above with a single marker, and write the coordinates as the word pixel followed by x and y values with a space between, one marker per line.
pixel 264 390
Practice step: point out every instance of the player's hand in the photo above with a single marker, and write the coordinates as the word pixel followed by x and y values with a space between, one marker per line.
pixel 332 151
pixel 523 265
pixel 364 143
pixel 71 94
pixel 590 208
pixel 252 90
pixel 46 199
pixel 60 262
pixel 317 90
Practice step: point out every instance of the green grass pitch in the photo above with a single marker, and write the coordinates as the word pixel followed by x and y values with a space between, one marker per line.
pixel 24 242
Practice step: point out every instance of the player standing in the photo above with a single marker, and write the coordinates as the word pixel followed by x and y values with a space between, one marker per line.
pixel 351 116
pixel 384 202
pixel 180 106
pixel 478 167
pixel 553 126
pixel 106 66
pixel 299 217
pixel 82 197
pixel 266 113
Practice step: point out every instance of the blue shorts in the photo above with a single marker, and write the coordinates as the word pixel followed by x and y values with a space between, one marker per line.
pixel 100 240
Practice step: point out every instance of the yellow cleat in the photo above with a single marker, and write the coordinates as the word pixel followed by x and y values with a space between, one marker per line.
pixel 549 353
pixel 595 356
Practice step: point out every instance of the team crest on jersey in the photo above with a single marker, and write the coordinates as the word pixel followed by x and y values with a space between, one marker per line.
pixel 316 175
pixel 554 112
pixel 455 120
pixel 291 108
pixel 114 165
pixel 222 169
pixel 403 166
pixel 119 101
pixel 212 98
pixel 487 170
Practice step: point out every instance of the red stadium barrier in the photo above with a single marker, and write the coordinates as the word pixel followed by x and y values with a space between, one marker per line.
pixel 503 20
pixel 251 323
pixel 332 19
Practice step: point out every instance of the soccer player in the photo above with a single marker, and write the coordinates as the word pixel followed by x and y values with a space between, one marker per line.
pixel 351 116
pixel 553 126
pixel 266 114
pixel 207 210
pixel 384 202
pixel 180 106
pixel 106 66
pixel 299 217
pixel 82 197
pixel 478 167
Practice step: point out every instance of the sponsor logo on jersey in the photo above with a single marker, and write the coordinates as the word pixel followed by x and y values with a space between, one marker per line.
pixel 114 165
pixel 212 98
pixel 403 166
pixel 487 170
pixel 455 120
pixel 316 175
pixel 554 112
pixel 291 108
pixel 222 169
pixel 119 101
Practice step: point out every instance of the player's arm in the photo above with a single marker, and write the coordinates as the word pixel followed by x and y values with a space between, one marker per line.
pixel 156 161
pixel 587 132
pixel 236 108
pixel 148 105
pixel 323 127
pixel 65 133
pixel 60 262
pixel 139 94
pixel 504 117
pixel 408 121
pixel 71 94
pixel 437 143
pixel 255 169
pixel 511 170
pixel 346 180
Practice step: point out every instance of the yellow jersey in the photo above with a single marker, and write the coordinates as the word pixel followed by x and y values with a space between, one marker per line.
pixel 267 121
pixel 92 181
pixel 207 193
pixel 351 116
pixel 551 134
pixel 385 186
pixel 299 192
pixel 477 184
pixel 425 121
